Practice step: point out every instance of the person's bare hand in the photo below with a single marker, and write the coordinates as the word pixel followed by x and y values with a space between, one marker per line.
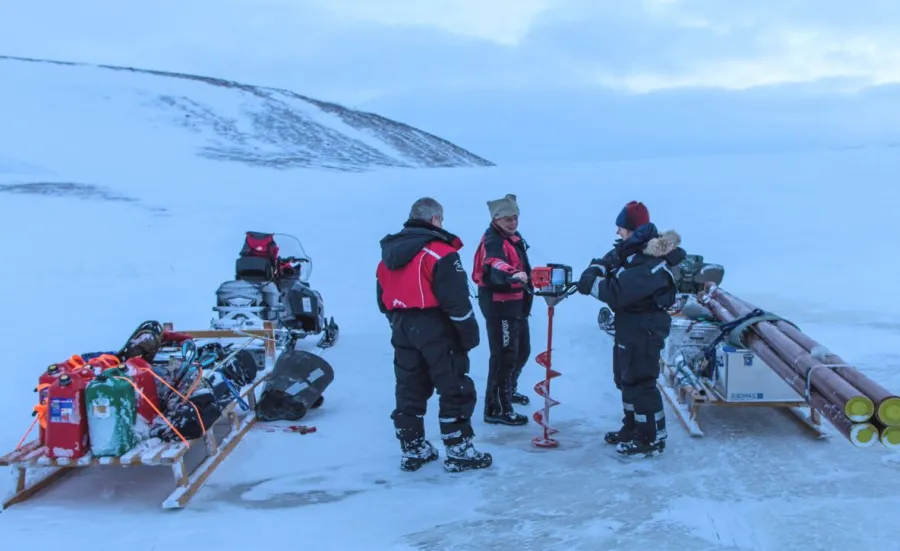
pixel 521 276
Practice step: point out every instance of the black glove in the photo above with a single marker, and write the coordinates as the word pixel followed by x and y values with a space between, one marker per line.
pixel 468 333
pixel 586 281
pixel 601 265
pixel 610 261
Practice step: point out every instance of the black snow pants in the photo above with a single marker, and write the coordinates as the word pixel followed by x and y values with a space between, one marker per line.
pixel 509 339
pixel 639 341
pixel 428 358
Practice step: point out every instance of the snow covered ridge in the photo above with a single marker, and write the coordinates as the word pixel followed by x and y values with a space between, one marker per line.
pixel 222 119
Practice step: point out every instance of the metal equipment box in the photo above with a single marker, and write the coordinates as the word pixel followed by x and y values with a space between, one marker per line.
pixel 742 377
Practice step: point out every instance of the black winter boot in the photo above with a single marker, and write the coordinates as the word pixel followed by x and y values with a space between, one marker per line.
pixel 520 399
pixel 642 447
pixel 457 435
pixel 650 436
pixel 416 450
pixel 627 432
pixel 498 408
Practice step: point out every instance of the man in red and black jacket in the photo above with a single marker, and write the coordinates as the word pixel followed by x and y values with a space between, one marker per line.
pixel 423 290
pixel 501 271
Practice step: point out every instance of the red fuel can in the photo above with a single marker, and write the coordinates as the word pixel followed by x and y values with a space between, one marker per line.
pixel 86 373
pixel 47 378
pixel 67 429
pixel 141 372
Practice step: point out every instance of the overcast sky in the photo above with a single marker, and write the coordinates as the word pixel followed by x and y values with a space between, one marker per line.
pixel 386 53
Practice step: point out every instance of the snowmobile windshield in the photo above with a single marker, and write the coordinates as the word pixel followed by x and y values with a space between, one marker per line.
pixel 290 247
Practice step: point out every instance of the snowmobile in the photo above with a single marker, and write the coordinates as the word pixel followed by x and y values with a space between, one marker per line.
pixel 690 277
pixel 271 283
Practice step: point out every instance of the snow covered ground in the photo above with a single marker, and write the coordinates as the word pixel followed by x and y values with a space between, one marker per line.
pixel 807 236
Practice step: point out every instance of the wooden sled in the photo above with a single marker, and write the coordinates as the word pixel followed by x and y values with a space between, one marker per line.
pixel 686 399
pixel 191 463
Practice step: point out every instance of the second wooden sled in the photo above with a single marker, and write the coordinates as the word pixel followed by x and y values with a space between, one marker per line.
pixel 687 398
pixel 191 463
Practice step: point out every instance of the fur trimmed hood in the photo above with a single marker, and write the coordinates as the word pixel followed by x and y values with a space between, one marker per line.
pixel 662 245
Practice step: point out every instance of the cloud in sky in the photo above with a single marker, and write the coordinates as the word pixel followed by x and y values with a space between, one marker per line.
pixel 738 45
pixel 353 49
pixel 504 22
pixel 647 45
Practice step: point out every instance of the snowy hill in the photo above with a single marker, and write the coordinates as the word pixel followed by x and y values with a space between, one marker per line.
pixel 91 114
pixel 802 235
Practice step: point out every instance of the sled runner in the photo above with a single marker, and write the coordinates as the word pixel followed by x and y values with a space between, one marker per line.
pixel 192 460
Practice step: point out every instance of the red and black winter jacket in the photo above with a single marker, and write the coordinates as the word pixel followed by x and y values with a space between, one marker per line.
pixel 497 258
pixel 420 273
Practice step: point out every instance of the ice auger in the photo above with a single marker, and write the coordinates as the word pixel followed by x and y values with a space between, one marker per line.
pixel 554 283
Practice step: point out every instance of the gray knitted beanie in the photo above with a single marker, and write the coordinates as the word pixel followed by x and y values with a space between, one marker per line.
pixel 500 208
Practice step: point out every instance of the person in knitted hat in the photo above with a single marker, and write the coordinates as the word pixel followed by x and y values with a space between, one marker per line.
pixel 501 270
pixel 633 228
pixel 632 216
pixel 505 210
pixel 635 281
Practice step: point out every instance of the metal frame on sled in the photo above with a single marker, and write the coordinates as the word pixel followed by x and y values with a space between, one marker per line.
pixel 191 463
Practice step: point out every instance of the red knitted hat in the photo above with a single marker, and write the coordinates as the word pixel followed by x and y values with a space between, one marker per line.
pixel 633 216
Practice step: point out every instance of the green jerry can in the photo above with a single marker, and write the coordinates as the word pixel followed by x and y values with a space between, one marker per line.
pixel 111 404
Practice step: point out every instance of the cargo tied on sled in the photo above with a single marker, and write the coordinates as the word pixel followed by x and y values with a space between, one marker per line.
pixel 185 399
pixel 861 410
pixel 702 367
pixel 176 399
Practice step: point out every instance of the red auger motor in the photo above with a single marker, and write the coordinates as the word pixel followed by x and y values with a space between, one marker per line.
pixel 554 283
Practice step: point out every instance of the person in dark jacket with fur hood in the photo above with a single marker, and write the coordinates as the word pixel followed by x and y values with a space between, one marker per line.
pixel 635 281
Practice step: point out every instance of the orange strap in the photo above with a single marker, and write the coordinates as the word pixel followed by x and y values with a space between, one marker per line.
pixel 24 436
pixel 194 385
pixel 164 418
pixel 75 361
pixel 175 390
pixel 106 361
pixel 40 415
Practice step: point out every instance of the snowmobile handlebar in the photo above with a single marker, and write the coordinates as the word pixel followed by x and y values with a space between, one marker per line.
pixel 293 259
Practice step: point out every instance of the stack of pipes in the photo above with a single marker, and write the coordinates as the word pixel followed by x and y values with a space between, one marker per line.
pixel 858 407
